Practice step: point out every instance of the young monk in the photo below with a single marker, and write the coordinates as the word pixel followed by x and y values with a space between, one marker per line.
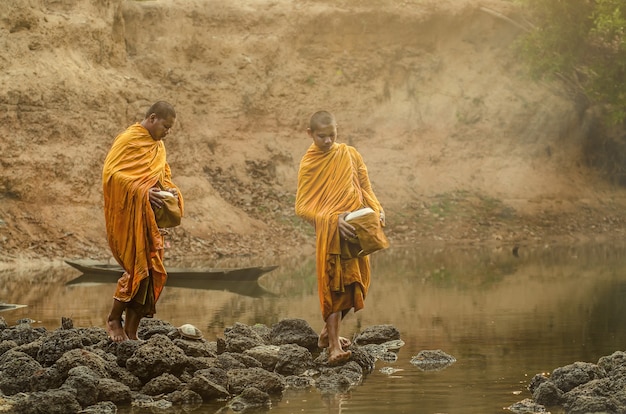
pixel 333 181
pixel 134 172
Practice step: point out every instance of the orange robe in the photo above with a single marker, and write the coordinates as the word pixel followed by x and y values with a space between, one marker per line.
pixel 331 183
pixel 135 163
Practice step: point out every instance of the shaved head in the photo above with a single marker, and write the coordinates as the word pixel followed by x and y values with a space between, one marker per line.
pixel 162 110
pixel 321 118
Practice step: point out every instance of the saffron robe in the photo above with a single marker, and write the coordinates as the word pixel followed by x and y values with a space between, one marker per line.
pixel 135 163
pixel 329 184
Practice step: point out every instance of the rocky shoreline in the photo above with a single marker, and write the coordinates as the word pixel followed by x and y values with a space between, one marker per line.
pixel 580 388
pixel 80 370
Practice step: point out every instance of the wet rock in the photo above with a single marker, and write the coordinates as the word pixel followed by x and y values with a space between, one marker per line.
pixel 188 399
pixel 67 323
pixel 104 407
pixel 81 357
pixel 377 334
pixel 571 376
pixel 16 368
pixel 124 350
pixel 162 384
pixel 263 331
pixel 151 327
pixel 6 345
pixel 333 383
pixel 210 384
pixel 250 398
pixel 614 364
pixel 352 371
pixel 81 367
pixel 269 382
pixel 432 360
pixel 153 405
pixel 155 356
pixel 122 375
pixel 112 390
pixel 230 360
pixel 241 337
pixel 593 404
pixel 31 348
pixel 584 387
pixel 85 383
pixel 197 348
pixel 294 331
pixel 293 359
pixel 526 406
pixel 21 334
pixel 536 381
pixel 267 355
pixel 46 378
pixel 299 382
pixel 363 358
pixel 55 401
pixel 54 345
pixel 547 393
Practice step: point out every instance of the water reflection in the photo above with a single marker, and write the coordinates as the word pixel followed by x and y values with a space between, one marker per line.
pixel 503 317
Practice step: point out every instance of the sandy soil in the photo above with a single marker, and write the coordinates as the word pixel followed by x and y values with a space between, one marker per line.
pixel 462 147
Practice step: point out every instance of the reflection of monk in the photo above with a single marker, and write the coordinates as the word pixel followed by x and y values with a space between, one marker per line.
pixel 332 181
pixel 134 172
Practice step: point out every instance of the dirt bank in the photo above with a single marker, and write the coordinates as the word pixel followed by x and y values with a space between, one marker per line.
pixel 461 146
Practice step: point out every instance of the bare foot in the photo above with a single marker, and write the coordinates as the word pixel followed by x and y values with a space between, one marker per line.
pixel 339 357
pixel 322 342
pixel 116 330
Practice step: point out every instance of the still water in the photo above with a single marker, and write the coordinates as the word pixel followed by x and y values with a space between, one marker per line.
pixel 503 317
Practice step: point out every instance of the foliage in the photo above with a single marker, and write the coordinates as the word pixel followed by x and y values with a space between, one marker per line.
pixel 583 41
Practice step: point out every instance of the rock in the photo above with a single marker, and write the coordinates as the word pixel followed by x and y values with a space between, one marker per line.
pixel 269 382
pixel 85 383
pixel 54 345
pixel 104 407
pixel 241 337
pixel 162 384
pixel 155 356
pixel 294 331
pixel 293 359
pixel 267 355
pixel 432 360
pixel 16 369
pixel 547 393
pixel 80 367
pixel 250 398
pixel 571 376
pixel 54 401
pixel 377 334
pixel 112 390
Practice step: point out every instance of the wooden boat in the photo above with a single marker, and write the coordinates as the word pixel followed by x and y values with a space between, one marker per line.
pixel 9 306
pixel 226 274
pixel 243 281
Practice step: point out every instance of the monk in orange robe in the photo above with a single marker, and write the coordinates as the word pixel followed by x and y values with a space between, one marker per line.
pixel 333 181
pixel 134 172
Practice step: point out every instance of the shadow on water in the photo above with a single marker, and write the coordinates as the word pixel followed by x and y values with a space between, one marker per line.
pixel 503 317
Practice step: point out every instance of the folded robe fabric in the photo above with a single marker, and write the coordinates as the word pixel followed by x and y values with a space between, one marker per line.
pixel 331 183
pixel 369 236
pixel 135 163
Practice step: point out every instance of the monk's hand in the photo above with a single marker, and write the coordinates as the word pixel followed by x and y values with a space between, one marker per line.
pixel 346 230
pixel 382 217
pixel 156 199
pixel 174 191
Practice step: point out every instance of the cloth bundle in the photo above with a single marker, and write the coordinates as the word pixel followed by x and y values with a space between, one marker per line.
pixel 369 234
pixel 169 215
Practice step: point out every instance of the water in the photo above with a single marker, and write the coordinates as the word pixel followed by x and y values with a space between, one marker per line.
pixel 504 318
